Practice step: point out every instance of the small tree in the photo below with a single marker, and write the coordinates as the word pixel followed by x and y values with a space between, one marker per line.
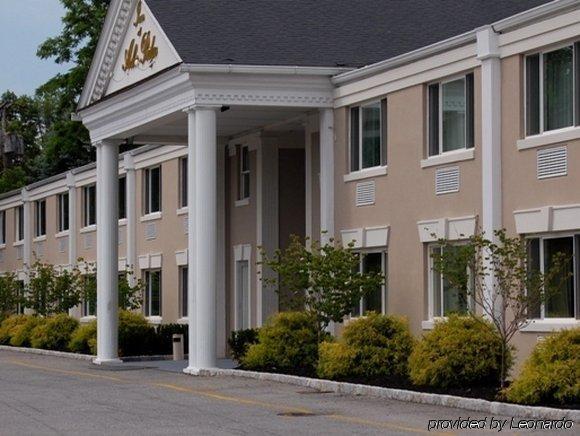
pixel 51 291
pixel 324 280
pixel 10 294
pixel 499 280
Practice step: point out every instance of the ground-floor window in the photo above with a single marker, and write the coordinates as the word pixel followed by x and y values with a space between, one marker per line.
pixel 444 298
pixel 562 302
pixel 242 294
pixel 89 303
pixel 375 301
pixel 20 291
pixel 152 300
pixel 183 284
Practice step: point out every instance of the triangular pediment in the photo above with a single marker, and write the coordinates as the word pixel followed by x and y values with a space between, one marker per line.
pixel 132 47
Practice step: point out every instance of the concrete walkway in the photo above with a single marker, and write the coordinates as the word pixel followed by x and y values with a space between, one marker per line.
pixel 176 365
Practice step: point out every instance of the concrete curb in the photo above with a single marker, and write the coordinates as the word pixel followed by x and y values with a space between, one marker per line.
pixel 492 407
pixel 66 354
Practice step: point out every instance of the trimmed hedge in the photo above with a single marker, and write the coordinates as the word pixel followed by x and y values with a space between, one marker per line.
pixel 287 343
pixel 84 339
pixel 164 337
pixel 551 375
pixel 54 333
pixel 21 335
pixel 239 342
pixel 8 327
pixel 459 352
pixel 373 346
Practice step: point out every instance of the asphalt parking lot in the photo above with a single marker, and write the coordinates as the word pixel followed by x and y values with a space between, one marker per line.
pixel 51 395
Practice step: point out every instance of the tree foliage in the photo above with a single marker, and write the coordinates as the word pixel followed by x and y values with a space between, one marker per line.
pixel 10 294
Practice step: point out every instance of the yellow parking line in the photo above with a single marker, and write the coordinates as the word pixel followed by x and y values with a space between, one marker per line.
pixel 64 371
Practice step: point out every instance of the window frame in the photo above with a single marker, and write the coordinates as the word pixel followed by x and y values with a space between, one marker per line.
pixel 2 227
pixel 182 188
pixel 147 312
pixel 19 223
pixel 89 196
pixel 122 209
pixel 575 103
pixel 382 103
pixel 183 290
pixel 576 271
pixel 63 215
pixel 147 191
pixel 384 266
pixel 88 307
pixel 40 218
pixel 242 173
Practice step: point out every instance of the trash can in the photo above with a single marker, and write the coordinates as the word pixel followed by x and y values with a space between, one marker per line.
pixel 178 347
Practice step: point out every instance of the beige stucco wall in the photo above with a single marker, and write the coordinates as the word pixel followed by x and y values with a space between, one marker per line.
pixel 405 196
pixel 9 258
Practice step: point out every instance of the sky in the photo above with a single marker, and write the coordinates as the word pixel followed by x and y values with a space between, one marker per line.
pixel 24 25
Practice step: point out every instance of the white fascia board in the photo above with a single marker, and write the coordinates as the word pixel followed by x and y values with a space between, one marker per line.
pixel 535 14
pixel 11 201
pixel 262 69
pixel 163 154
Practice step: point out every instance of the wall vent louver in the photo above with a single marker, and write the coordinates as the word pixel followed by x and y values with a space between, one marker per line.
pixel 150 231
pixel 552 162
pixel 62 243
pixel 365 193
pixel 446 180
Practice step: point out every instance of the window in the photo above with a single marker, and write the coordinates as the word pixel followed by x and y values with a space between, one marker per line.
pixel 376 300
pixel 20 295
pixel 40 218
pixel 89 205
pixel 89 303
pixel 244 172
pixel 552 89
pixel 19 224
pixel 368 139
pixel 242 294
pixel 63 218
pixel 451 115
pixel 183 182
pixel 2 227
pixel 152 200
pixel 152 299
pixel 444 299
pixel 183 281
pixel 563 303
pixel 122 198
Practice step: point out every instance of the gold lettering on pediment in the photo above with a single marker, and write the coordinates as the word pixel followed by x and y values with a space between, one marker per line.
pixel 144 45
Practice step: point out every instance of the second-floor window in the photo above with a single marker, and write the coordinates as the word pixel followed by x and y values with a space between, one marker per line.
pixel 122 198
pixel 2 227
pixel 244 172
pixel 152 192
pixel 451 115
pixel 40 218
pixel 19 224
pixel 183 182
pixel 63 217
pixel 368 137
pixel 89 205
pixel 552 95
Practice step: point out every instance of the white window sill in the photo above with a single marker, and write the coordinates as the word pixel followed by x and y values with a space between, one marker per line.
pixel 123 222
pixel 87 319
pixel 367 173
pixel 449 157
pixel 18 243
pixel 41 238
pixel 2 246
pixel 429 324
pixel 151 217
pixel 548 138
pixel 61 234
pixel 242 202
pixel 550 325
pixel 154 319
pixel 88 229
pixel 182 210
pixel 183 320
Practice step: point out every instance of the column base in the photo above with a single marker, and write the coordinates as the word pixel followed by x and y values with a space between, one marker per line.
pixel 194 370
pixel 107 362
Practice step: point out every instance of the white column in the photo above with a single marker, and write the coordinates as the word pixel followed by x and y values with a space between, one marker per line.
pixel 488 54
pixel 27 242
pixel 191 297
pixel 107 251
pixel 72 219
pixel 326 174
pixel 205 234
pixel 131 196
pixel 221 337
pixel 308 180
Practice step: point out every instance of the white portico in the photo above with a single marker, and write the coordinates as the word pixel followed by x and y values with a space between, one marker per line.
pixel 148 95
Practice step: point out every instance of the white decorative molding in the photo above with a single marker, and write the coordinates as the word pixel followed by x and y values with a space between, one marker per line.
pixel 453 229
pixel 150 261
pixel 549 138
pixel 365 174
pixel 181 258
pixel 366 237
pixel 266 98
pixel 354 236
pixel 548 219
pixel 447 158
pixel 122 264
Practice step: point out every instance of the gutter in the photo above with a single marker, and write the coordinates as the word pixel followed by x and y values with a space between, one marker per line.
pixel 518 20
pixel 262 69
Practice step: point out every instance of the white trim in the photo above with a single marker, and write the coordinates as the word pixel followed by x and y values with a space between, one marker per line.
pixel 40 238
pixel 181 258
pixel 550 325
pixel 183 320
pixel 262 69
pixel 548 138
pixel 449 157
pixel 242 202
pixel 86 319
pixel 154 319
pixel 366 173
pixel 454 229
pixel 242 253
pixel 2 246
pixel 18 243
pixel 88 229
pixel 182 211
pixel 548 219
pixel 151 217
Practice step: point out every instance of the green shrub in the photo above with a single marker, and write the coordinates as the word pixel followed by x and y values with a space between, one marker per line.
pixel 552 372
pixel 372 346
pixel 136 336
pixel 164 338
pixel 8 326
pixel 84 339
pixel 54 333
pixel 239 342
pixel 287 343
pixel 461 351
pixel 21 334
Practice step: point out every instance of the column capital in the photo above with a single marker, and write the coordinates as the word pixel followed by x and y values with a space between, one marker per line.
pixel 128 162
pixel 70 180
pixel 487 43
pixel 24 194
pixel 197 106
pixel 103 142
